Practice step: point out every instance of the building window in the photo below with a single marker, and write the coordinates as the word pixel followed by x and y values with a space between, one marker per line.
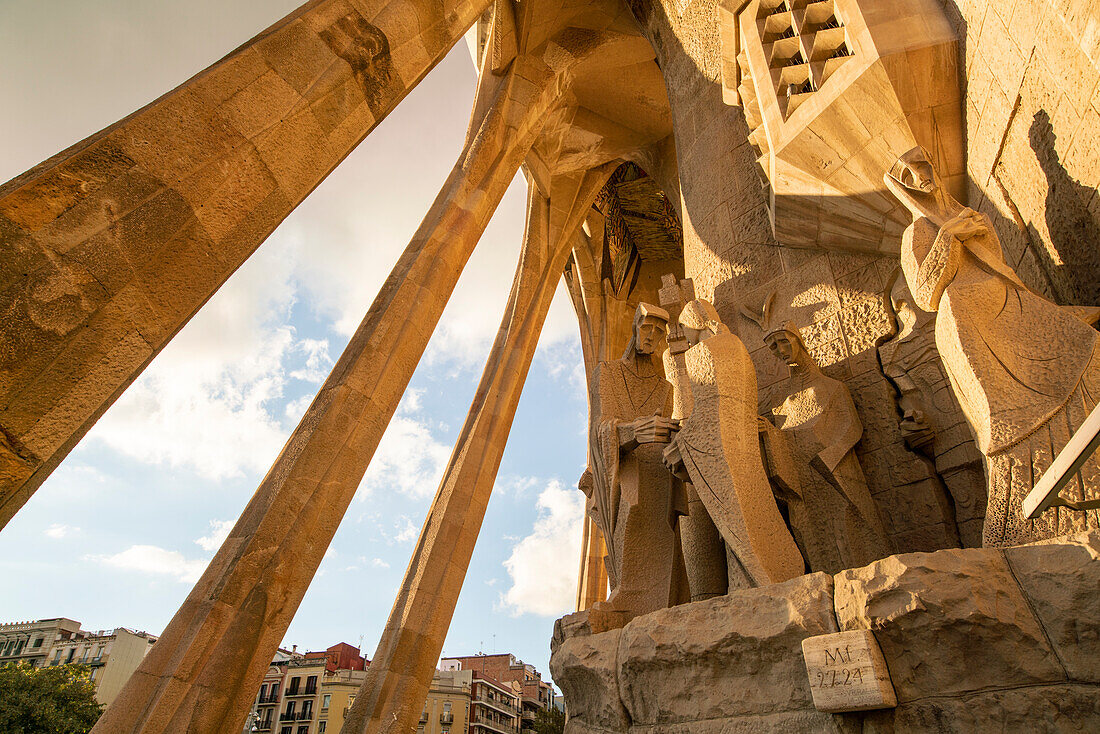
pixel 71 655
pixel 263 692
pixel 291 705
pixel 38 643
pixel 92 676
pixel 325 699
pixel 19 647
pixel 446 707
pixel 303 730
pixel 321 727
pixel 286 730
pixel 99 652
pixel 293 689
pixel 311 684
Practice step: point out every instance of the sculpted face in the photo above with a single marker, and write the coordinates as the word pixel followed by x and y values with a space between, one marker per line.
pixel 788 350
pixel 918 175
pixel 649 334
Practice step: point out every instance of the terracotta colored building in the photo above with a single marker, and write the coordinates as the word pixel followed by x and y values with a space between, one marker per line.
pixel 531 691
pixel 308 693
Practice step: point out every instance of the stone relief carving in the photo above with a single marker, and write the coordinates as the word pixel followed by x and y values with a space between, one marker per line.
pixel 718 448
pixel 820 419
pixel 1024 370
pixel 631 485
pixel 930 418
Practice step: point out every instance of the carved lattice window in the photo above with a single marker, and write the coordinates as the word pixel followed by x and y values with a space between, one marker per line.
pixel 804 43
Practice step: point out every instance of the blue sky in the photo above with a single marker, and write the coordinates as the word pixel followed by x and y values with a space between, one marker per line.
pixel 117 535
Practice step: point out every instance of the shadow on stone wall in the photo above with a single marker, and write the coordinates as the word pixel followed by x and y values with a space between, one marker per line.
pixel 1074 231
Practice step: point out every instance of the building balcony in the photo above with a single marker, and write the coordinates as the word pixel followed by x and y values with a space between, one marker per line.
pixel 446 718
pixel 497 704
pixel 499 727
pixel 305 716
pixel 311 690
pixel 264 725
pixel 292 716
pixel 269 698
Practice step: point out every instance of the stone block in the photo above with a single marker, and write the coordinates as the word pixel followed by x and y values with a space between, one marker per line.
pixel 1036 710
pixel 948 622
pixel 585 666
pixel 1061 580
pixel 748 642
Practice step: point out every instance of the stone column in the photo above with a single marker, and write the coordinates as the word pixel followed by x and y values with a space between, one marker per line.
pixel 203 673
pixel 392 696
pixel 592 580
pixel 111 246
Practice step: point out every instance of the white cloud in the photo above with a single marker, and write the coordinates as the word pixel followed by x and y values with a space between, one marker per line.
pixel 295 409
pixel 59 530
pixel 154 560
pixel 318 362
pixel 514 484
pixel 219 531
pixel 379 563
pixel 543 565
pixel 406 531
pixel 205 402
pixel 408 458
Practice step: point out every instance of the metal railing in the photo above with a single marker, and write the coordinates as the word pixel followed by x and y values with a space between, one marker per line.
pixel 1063 469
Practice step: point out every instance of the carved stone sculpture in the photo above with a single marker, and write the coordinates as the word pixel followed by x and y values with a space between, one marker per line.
pixel 719 447
pixel 632 487
pixel 930 418
pixel 1024 369
pixel 703 550
pixel 820 418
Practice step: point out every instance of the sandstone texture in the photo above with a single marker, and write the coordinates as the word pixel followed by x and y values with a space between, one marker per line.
pixel 975 640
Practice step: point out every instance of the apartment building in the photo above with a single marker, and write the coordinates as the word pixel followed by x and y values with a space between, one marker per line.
pixel 494 706
pixel 112 656
pixel 32 641
pixel 308 693
pixel 447 706
pixel 533 692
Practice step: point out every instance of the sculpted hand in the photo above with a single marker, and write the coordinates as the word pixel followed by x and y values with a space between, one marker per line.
pixel 671 457
pixel 654 429
pixel 965 224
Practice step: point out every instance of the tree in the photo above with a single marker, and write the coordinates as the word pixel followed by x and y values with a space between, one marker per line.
pixel 549 721
pixel 55 700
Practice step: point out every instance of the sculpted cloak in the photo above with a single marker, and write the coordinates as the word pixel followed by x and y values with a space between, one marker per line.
pixel 1025 370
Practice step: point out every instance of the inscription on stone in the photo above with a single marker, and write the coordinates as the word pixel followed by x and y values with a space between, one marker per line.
pixel 847 672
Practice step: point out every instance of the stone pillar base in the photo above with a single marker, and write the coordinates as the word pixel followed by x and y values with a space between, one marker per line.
pixel 976 639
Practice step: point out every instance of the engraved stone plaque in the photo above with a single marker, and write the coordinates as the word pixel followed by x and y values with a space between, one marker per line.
pixel 847 672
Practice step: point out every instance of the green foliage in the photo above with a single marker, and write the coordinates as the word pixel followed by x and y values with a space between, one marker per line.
pixel 54 700
pixel 549 721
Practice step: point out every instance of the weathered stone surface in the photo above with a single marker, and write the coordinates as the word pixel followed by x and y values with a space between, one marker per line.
pixel 748 642
pixel 586 667
pixel 1061 580
pixel 1038 710
pixel 947 622
pixel 964 649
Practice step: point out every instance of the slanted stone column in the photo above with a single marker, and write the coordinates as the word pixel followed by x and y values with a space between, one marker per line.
pixel 108 248
pixel 203 673
pixel 400 673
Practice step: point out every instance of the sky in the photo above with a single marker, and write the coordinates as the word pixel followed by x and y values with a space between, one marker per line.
pixel 122 529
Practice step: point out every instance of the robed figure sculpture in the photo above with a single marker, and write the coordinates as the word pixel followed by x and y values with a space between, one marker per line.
pixel 1025 370
pixel 632 486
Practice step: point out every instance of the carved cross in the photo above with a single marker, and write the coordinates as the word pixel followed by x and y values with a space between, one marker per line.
pixel 674 296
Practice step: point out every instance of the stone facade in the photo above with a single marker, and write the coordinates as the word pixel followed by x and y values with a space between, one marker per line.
pixel 974 639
